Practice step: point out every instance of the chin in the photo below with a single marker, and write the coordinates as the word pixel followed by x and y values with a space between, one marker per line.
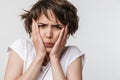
pixel 48 50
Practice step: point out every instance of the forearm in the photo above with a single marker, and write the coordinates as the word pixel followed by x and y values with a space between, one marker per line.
pixel 34 69
pixel 57 71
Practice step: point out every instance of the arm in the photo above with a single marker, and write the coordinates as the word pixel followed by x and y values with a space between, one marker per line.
pixel 33 71
pixel 15 63
pixel 15 67
pixel 74 71
pixel 57 71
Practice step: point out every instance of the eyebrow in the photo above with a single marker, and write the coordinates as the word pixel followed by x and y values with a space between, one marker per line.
pixel 42 23
pixel 47 24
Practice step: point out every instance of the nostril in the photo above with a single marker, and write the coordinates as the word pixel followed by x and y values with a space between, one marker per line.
pixel 49 35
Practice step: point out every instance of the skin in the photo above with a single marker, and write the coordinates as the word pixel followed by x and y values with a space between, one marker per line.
pixel 44 31
pixel 49 31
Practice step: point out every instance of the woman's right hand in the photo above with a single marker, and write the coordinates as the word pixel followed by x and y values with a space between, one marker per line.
pixel 37 41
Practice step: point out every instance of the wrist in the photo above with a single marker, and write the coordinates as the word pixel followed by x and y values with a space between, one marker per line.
pixel 39 58
pixel 40 55
pixel 38 61
pixel 54 58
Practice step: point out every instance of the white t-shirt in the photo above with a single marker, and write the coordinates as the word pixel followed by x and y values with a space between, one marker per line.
pixel 26 51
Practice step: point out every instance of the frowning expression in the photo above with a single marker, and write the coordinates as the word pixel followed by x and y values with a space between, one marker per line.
pixel 50 29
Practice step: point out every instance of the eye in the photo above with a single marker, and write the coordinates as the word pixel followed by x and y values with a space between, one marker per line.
pixel 41 25
pixel 58 26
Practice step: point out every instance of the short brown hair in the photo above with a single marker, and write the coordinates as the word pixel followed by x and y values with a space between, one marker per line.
pixel 64 11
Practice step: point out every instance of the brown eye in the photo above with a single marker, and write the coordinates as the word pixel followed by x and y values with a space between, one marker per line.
pixel 41 25
pixel 57 26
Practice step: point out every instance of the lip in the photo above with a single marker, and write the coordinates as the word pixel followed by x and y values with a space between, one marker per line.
pixel 48 45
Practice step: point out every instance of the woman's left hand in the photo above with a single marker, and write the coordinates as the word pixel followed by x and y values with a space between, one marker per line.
pixel 60 43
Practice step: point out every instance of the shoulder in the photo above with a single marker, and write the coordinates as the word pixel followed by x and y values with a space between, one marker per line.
pixel 72 51
pixel 20 47
pixel 21 41
pixel 73 48
pixel 70 55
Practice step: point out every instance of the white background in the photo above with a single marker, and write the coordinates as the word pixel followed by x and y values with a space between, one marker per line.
pixel 98 35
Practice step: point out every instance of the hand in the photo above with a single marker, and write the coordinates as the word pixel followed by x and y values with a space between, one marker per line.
pixel 37 41
pixel 60 43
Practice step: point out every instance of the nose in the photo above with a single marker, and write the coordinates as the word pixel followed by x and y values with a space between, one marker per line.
pixel 49 33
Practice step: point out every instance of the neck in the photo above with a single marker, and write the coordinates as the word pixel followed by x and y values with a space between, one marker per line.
pixel 46 60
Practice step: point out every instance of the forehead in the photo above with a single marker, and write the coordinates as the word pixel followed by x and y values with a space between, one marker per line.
pixel 49 15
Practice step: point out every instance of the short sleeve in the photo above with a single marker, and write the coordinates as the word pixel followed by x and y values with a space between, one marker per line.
pixel 19 47
pixel 74 53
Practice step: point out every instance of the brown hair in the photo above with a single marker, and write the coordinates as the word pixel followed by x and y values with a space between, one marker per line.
pixel 64 11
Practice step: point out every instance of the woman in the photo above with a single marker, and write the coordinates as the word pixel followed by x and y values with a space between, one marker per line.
pixel 44 56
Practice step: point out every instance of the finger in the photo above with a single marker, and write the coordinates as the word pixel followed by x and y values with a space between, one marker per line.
pixel 57 47
pixel 38 34
pixel 33 29
pixel 36 30
pixel 65 34
pixel 60 36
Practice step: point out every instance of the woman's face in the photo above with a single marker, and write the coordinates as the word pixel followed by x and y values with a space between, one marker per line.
pixel 50 29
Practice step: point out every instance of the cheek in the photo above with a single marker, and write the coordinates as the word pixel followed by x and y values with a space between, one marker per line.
pixel 41 32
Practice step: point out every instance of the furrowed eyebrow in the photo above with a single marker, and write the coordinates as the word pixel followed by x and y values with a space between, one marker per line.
pixel 57 24
pixel 40 23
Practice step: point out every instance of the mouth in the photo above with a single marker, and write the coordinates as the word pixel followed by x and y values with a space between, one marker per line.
pixel 49 45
